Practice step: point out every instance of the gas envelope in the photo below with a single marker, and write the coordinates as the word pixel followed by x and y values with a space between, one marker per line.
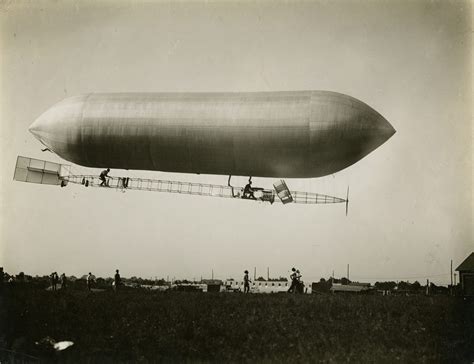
pixel 265 134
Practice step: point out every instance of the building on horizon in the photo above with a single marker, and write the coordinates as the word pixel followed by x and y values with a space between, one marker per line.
pixel 258 286
pixel 466 276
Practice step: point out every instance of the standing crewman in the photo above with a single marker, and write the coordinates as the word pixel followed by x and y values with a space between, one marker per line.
pixel 294 281
pixel 103 176
pixel 246 282
pixel 117 280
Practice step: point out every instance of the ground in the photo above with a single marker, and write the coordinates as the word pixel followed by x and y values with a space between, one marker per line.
pixel 139 325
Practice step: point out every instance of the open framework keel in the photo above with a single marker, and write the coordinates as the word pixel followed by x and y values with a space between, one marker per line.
pixel 43 172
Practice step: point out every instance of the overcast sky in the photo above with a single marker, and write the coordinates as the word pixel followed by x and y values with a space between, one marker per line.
pixel 410 207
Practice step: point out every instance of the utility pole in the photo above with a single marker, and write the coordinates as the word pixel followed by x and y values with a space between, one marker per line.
pixel 451 288
pixel 268 273
pixel 213 274
pixel 451 272
pixel 254 273
pixel 348 272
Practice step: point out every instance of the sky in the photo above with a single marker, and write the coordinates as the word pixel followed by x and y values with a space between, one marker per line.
pixel 410 209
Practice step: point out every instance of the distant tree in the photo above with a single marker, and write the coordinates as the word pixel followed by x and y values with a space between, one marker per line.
pixel 344 280
pixel 148 281
pixel 183 281
pixel 434 289
pixel 321 286
pixel 260 279
pixel 403 286
pixel 385 286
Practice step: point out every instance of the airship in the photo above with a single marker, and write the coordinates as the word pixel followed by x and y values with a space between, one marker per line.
pixel 288 134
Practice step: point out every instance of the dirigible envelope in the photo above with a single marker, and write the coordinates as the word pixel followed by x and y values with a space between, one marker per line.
pixel 266 134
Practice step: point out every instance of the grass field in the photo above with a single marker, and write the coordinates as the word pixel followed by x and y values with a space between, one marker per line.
pixel 138 325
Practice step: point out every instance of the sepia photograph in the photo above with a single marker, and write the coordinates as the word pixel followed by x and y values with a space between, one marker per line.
pixel 236 181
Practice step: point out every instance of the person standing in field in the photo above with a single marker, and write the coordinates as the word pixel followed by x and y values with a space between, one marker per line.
pixel 54 280
pixel 90 280
pixel 117 280
pixel 63 280
pixel 246 282
pixel 2 277
pixel 51 281
pixel 294 281
pixel 299 285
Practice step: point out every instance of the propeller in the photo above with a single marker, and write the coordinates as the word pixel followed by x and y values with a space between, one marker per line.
pixel 347 201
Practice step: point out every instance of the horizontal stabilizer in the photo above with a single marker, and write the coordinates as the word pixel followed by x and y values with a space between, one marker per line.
pixel 38 171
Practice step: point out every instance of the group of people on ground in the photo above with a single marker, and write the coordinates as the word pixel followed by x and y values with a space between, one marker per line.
pixel 115 285
pixel 296 286
pixel 55 280
pixel 90 280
